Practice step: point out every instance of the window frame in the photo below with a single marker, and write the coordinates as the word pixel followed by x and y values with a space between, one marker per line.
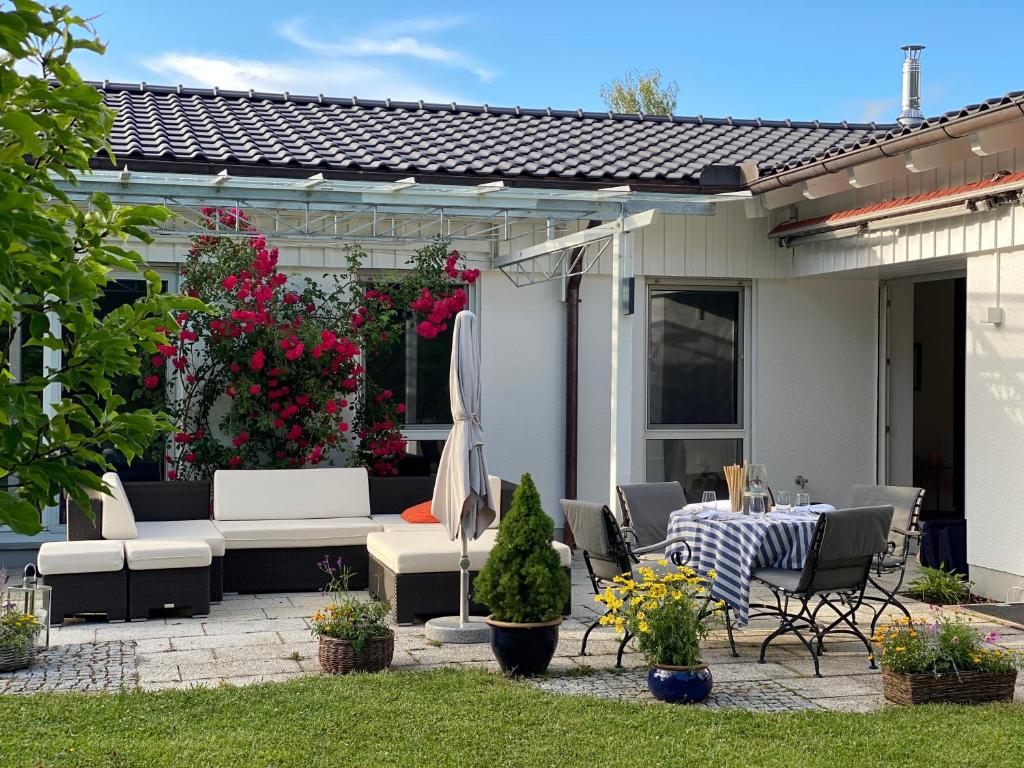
pixel 739 431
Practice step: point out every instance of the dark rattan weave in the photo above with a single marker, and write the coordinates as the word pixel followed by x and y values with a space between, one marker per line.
pixel 425 594
pixel 156 501
pixel 187 588
pixel 76 594
pixel 291 569
pixel 956 688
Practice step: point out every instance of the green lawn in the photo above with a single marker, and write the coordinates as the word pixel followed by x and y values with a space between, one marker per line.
pixel 450 718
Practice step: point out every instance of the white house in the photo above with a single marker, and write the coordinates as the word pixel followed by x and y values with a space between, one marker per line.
pixel 841 302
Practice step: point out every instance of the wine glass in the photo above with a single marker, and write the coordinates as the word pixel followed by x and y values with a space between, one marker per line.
pixel 757 478
pixel 783 501
pixel 709 503
pixel 803 502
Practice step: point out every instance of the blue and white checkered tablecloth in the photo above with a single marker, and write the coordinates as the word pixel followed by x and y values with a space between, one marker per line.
pixel 733 545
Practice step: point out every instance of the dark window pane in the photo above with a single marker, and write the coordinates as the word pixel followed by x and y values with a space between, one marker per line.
pixel 694 358
pixel 417 372
pixel 696 464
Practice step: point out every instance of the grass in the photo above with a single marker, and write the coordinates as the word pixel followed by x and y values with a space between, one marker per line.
pixel 457 718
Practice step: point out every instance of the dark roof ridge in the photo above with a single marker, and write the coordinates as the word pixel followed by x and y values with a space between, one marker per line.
pixel 388 104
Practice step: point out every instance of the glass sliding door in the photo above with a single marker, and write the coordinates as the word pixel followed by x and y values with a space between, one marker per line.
pixel 696 420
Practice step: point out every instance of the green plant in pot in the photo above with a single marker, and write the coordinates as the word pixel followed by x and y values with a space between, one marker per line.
pixel 667 612
pixel 524 586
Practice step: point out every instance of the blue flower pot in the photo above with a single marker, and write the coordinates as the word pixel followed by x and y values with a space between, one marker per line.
pixel 680 685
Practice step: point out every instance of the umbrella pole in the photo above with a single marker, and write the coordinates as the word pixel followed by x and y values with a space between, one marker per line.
pixel 464 577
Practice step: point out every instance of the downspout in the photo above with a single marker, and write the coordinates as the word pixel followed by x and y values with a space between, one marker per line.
pixel 572 377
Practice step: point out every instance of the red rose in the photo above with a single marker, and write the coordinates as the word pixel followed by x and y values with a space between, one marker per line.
pixel 190 457
pixel 235 461
pixel 343 427
pixel 235 367
pixel 255 389
pixel 294 433
pixel 400 408
pixel 259 358
pixel 172 475
pixel 151 382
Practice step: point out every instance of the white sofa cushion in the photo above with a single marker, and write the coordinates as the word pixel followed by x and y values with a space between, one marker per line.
pixel 184 530
pixel 285 534
pixel 64 557
pixel 162 554
pixel 118 518
pixel 415 551
pixel 399 523
pixel 290 494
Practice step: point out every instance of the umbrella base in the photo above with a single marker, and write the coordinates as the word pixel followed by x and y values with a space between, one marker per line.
pixel 450 629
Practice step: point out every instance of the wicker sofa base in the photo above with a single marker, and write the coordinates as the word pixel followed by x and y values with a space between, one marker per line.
pixel 76 594
pixel 217 579
pixel 425 594
pixel 290 569
pixel 179 588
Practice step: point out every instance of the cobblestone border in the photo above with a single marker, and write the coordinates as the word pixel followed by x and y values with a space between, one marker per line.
pixel 101 666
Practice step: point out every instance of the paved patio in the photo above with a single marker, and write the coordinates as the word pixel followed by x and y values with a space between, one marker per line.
pixel 265 638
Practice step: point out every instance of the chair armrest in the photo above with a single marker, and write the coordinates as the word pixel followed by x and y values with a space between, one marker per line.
pixel 661 546
pixel 908 534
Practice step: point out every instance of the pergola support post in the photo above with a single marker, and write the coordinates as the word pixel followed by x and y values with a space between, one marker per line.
pixel 621 458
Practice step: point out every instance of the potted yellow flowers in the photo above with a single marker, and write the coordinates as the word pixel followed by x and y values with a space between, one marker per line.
pixel 667 614
pixel 944 659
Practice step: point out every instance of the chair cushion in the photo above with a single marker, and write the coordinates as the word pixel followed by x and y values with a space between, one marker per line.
pixel 288 534
pixel 782 578
pixel 95 556
pixel 431 551
pixel 393 523
pixel 290 494
pixel 420 514
pixel 163 554
pixel 118 518
pixel 184 530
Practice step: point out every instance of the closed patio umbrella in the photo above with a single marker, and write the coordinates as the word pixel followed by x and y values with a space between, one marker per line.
pixel 462 500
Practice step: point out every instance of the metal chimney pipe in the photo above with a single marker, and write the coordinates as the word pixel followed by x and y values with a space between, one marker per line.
pixel 911 115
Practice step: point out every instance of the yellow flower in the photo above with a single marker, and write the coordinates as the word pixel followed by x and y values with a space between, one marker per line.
pixel 899 648
pixel 677 595
pixel 658 590
pixel 643 626
pixel 663 562
pixel 651 605
pixel 619 623
pixel 635 600
pixel 712 574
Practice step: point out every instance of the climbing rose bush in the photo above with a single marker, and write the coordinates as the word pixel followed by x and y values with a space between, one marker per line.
pixel 275 378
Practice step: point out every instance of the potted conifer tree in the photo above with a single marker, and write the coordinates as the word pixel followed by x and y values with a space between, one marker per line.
pixel 524 586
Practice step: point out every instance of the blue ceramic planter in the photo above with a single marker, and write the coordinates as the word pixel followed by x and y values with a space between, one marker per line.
pixel 680 685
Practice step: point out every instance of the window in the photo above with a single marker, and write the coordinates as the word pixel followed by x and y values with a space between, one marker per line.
pixel 695 356
pixel 695 386
pixel 417 372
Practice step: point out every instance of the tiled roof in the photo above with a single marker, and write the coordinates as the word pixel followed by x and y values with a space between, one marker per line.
pixel 889 207
pixel 195 130
pixel 888 133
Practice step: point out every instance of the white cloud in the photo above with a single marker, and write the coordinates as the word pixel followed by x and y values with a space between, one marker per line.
pixel 309 77
pixel 387 41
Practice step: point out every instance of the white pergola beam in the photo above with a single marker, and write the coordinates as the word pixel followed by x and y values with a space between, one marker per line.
pixel 620 463
pixel 577 239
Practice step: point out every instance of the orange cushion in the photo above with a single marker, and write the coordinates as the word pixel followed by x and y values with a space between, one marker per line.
pixel 419 514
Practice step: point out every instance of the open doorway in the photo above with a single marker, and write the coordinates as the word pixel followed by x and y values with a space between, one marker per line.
pixel 925 393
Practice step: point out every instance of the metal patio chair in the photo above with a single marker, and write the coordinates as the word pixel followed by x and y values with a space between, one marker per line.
pixel 607 552
pixel 646 508
pixel 845 544
pixel 907 503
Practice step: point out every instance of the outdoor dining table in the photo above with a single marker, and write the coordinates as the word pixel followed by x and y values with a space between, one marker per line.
pixel 733 544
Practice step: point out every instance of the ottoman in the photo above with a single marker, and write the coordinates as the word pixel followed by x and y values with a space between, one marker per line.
pixel 167 573
pixel 417 571
pixel 87 577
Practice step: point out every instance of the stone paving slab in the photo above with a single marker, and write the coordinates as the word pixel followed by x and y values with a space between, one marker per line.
pixel 92 667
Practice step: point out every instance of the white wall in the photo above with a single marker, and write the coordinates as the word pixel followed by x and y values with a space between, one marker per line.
pixel 523 381
pixel 815 385
pixel 900 329
pixel 594 438
pixel 995 424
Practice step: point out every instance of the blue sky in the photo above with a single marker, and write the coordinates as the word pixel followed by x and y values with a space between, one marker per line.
pixel 801 60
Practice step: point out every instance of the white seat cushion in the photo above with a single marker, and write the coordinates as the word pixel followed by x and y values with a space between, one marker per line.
pixel 64 557
pixel 415 551
pixel 162 554
pixel 184 530
pixel 290 494
pixel 118 518
pixel 399 523
pixel 286 534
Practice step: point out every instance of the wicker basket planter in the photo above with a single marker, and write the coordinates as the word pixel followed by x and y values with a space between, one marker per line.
pixel 16 658
pixel 339 657
pixel 965 688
